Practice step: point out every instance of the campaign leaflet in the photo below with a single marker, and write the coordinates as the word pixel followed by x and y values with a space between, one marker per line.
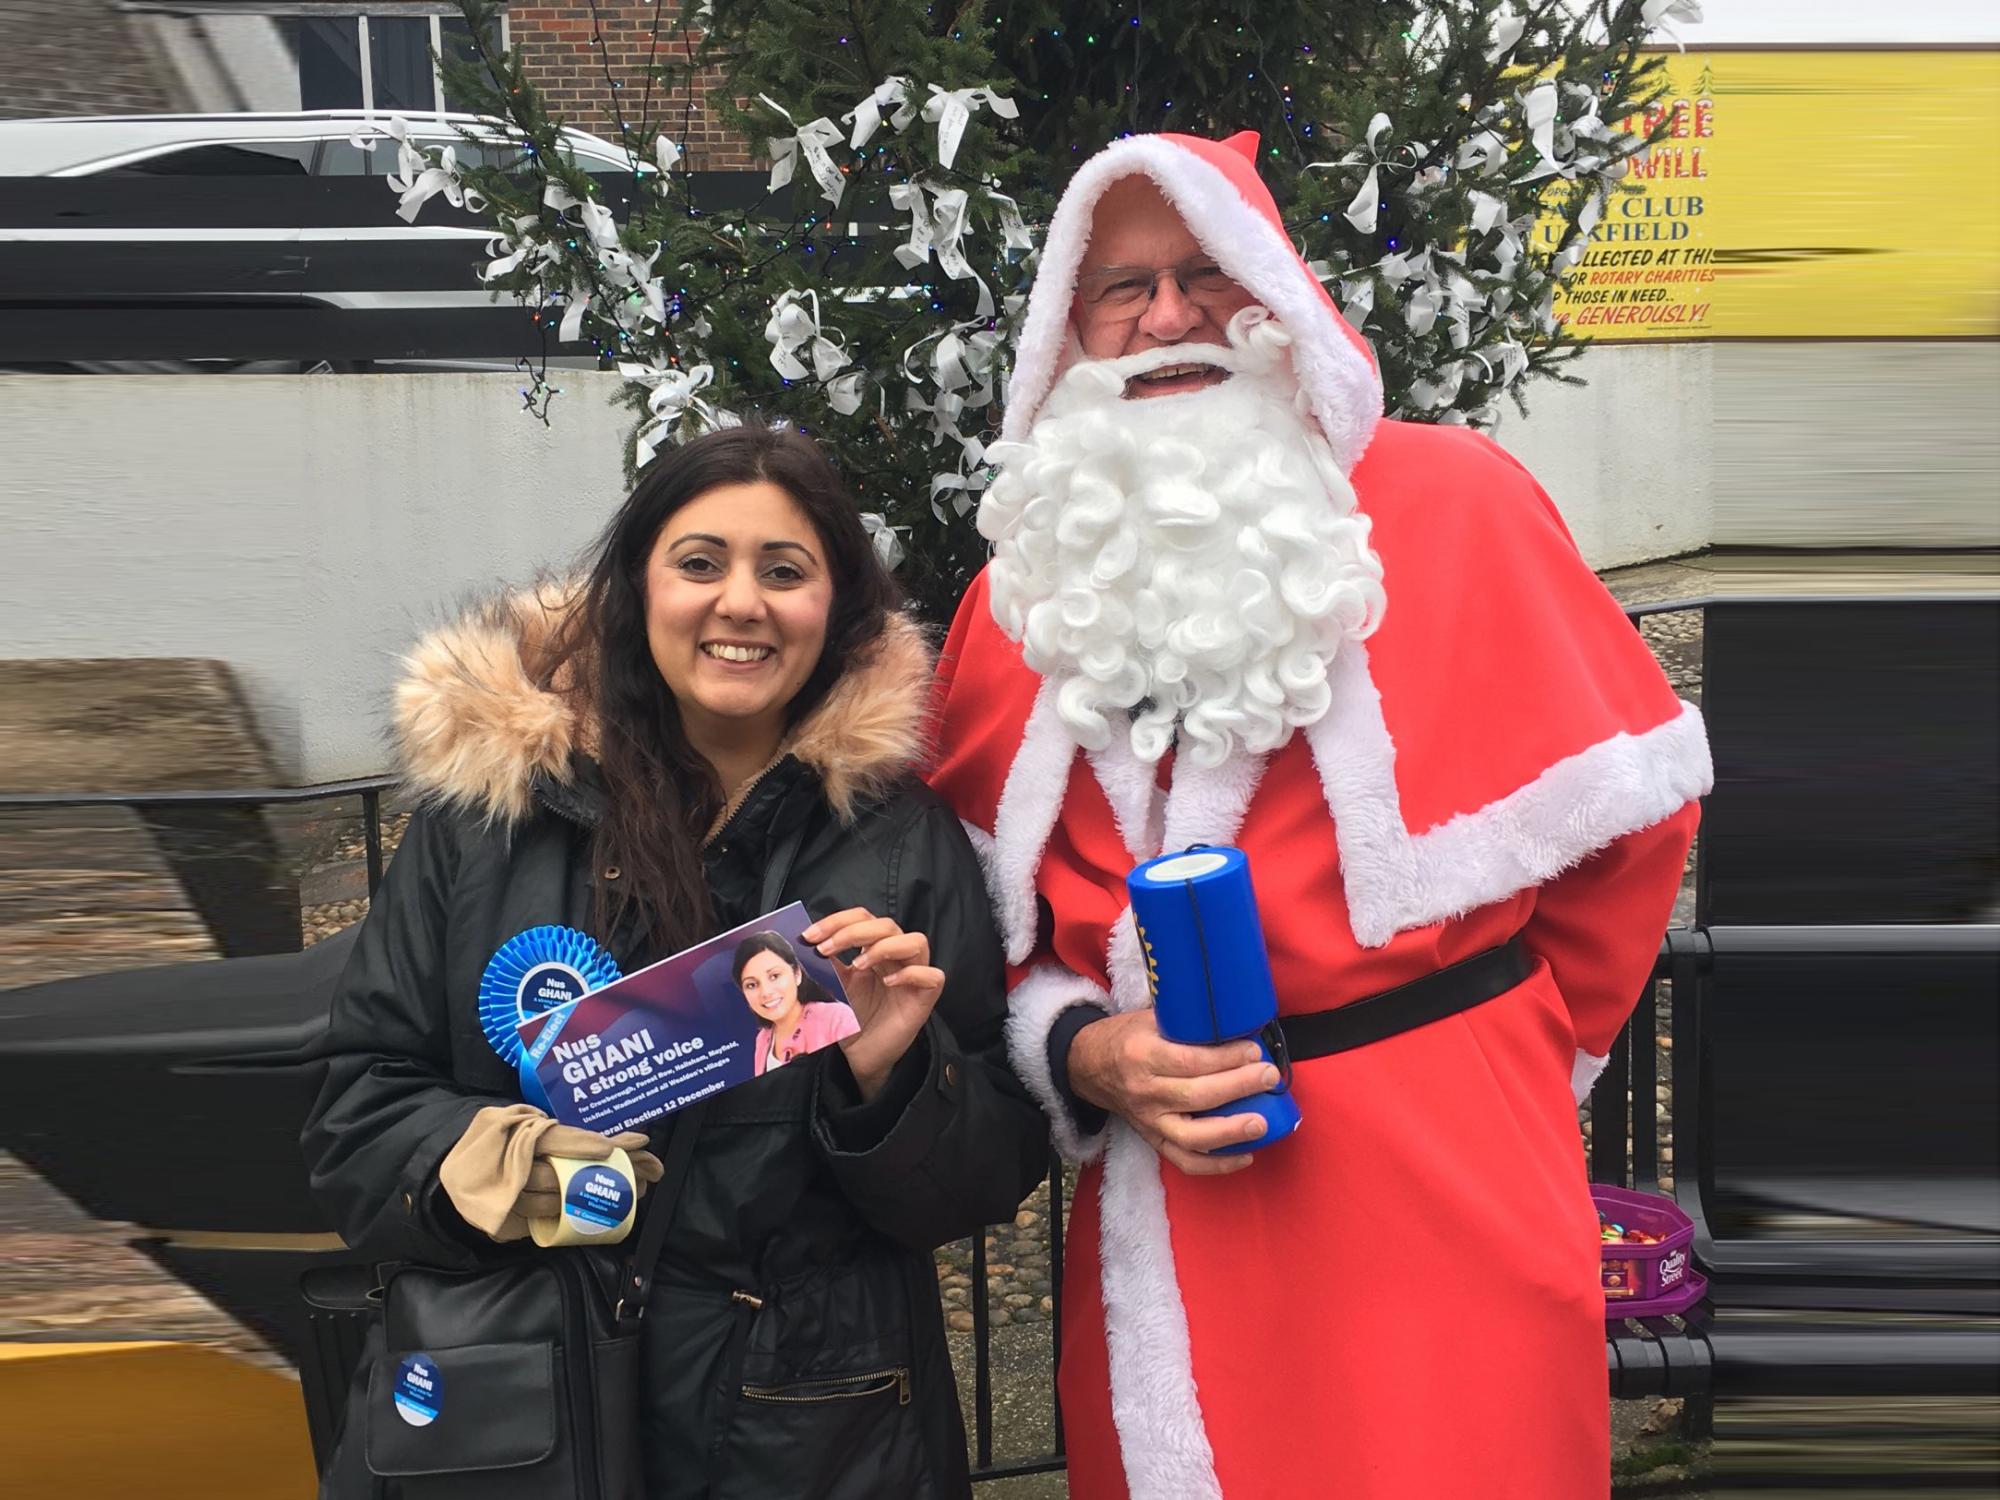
pixel 746 1002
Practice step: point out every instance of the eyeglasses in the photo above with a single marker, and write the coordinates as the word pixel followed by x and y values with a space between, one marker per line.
pixel 1124 291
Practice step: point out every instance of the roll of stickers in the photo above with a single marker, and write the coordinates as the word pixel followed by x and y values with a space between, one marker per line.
pixel 599 1201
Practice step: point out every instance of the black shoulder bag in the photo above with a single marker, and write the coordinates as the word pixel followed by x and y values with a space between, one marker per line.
pixel 519 1382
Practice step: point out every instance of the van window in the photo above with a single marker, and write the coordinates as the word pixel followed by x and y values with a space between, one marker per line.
pixel 224 159
pixel 342 158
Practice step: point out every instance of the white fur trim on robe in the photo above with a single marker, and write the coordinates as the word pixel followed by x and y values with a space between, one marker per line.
pixel 1395 880
pixel 1030 803
pixel 1583 1074
pixel 1161 1434
pixel 1032 1008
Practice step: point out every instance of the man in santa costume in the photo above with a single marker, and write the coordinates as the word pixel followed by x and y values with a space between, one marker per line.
pixel 1230 604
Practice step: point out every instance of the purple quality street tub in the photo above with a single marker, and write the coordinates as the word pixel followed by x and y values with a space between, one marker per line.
pixel 1643 1281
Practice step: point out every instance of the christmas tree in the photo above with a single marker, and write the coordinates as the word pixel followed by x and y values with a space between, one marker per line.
pixel 1442 166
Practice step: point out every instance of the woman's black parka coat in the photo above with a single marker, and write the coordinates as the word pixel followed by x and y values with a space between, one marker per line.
pixel 821 1207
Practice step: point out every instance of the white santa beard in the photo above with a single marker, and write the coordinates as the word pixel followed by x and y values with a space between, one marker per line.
pixel 1190 561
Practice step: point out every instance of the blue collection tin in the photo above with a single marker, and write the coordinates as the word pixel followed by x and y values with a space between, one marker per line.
pixel 1208 969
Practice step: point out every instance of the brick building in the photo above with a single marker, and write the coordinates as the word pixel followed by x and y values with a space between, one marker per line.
pixel 76 57
pixel 558 45
pixel 70 57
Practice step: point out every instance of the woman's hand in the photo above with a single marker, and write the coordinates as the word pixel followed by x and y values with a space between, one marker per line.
pixel 890 984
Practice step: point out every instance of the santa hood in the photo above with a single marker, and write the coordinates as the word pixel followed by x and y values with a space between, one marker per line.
pixel 1503 724
pixel 1215 188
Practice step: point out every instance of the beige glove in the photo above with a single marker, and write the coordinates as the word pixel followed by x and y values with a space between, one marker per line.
pixel 498 1176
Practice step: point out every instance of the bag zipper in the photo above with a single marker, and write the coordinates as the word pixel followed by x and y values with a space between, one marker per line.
pixel 582 1384
pixel 837 1388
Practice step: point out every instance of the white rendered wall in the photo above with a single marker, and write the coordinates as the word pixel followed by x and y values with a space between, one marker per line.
pixel 1628 457
pixel 1672 447
pixel 306 529
pixel 1863 445
pixel 302 529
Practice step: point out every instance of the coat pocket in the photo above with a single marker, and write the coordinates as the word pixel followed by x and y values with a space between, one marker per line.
pixel 836 1388
pixel 831 1437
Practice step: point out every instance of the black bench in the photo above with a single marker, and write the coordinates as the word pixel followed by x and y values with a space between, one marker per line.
pixel 1836 1014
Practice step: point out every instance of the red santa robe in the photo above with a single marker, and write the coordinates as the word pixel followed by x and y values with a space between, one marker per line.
pixel 1401 1302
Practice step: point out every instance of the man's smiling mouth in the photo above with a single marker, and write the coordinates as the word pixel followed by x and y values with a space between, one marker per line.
pixel 1187 375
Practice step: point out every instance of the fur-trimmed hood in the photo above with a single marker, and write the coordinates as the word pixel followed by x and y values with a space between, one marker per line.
pixel 474 727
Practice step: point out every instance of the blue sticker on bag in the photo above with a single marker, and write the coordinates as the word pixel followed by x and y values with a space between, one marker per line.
pixel 419 1390
pixel 537 971
pixel 598 1199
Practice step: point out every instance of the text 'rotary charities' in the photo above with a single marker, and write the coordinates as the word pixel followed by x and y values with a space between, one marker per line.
pixel 605 1072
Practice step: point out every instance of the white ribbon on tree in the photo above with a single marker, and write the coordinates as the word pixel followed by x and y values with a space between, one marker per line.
pixel 963 364
pixel 1538 114
pixel 964 359
pixel 909 197
pixel 578 298
pixel 675 394
pixel 419 178
pixel 1484 153
pixel 1013 228
pixel 810 141
pixel 1656 14
pixel 522 241
pixel 1362 212
pixel 794 326
pixel 1486 210
pixel 1359 300
pixel 867 115
pixel 949 211
pixel 951 110
pixel 940 225
pixel 1507 31
pixel 887 542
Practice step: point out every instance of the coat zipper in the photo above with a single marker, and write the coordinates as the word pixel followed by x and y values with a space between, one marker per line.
pixel 582 1384
pixel 837 1388
pixel 735 804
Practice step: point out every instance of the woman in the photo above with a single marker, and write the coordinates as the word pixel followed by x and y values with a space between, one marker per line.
pixel 795 1015
pixel 718 721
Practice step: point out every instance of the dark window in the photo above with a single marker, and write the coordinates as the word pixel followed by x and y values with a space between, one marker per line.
pixel 455 33
pixel 242 159
pixel 329 54
pixel 342 158
pixel 399 59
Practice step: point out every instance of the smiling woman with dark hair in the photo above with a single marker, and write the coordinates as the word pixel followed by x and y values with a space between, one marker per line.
pixel 718 721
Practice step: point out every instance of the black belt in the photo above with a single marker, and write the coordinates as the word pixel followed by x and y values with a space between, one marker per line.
pixel 1470 982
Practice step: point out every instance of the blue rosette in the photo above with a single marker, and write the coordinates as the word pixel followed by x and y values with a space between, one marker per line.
pixel 533 972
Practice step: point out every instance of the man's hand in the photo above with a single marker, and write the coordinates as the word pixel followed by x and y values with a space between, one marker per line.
pixel 1124 1065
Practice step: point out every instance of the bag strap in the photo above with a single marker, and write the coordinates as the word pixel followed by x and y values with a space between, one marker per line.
pixel 664 1202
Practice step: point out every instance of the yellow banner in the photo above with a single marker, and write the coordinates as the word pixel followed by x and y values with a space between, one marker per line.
pixel 1805 194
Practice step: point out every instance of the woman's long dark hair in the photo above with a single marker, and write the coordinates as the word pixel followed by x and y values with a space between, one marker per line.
pixel 811 991
pixel 663 795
